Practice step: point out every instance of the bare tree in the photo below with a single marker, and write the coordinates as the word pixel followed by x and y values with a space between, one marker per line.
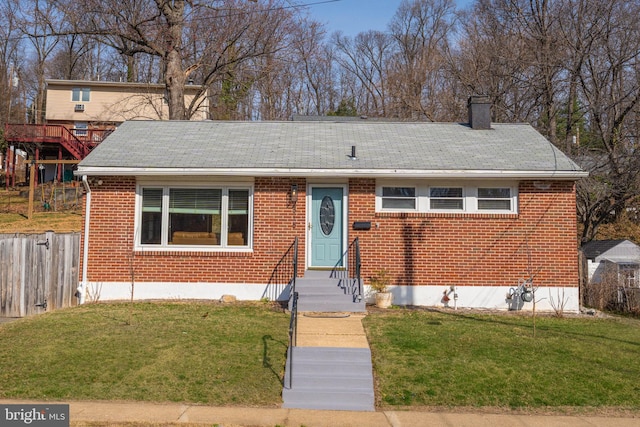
pixel 421 30
pixel 40 22
pixel 11 64
pixel 367 58
pixel 610 87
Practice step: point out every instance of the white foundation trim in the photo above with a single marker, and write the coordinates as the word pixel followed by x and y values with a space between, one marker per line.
pixel 482 297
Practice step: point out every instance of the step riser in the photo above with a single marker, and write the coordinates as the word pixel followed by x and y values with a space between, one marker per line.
pixel 330 309
pixel 332 354
pixel 332 400
pixel 320 370
pixel 340 384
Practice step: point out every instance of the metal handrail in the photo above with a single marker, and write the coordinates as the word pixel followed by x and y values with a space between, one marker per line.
pixel 293 334
pixel 348 268
pixel 285 271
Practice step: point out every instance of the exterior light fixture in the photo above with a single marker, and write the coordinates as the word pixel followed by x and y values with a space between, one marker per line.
pixel 293 196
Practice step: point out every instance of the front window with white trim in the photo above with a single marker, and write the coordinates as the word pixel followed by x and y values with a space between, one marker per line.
pixel 187 216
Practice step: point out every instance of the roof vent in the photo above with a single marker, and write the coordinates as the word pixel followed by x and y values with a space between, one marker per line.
pixel 353 153
pixel 479 107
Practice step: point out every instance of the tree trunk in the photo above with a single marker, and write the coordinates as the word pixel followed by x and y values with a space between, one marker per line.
pixel 174 79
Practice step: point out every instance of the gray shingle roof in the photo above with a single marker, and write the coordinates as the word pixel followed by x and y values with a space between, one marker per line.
pixel 325 146
pixel 615 249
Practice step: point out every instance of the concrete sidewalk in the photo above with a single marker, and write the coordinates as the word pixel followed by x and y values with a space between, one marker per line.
pixel 177 414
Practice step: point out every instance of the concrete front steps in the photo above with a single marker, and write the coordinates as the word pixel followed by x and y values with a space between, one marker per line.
pixel 317 292
pixel 329 378
pixel 330 368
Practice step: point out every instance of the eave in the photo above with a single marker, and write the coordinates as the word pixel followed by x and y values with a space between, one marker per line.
pixel 332 173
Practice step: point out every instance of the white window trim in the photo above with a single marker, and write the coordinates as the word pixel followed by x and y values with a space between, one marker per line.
pixel 164 246
pixel 81 92
pixel 469 196
pixel 379 197
pixel 80 128
pixel 464 198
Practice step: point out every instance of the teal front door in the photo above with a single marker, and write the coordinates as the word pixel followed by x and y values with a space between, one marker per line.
pixel 326 227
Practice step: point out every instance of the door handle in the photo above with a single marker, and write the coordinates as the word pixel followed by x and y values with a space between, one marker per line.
pixel 310 226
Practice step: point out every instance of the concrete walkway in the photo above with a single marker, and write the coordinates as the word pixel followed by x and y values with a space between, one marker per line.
pixel 171 414
pixel 320 330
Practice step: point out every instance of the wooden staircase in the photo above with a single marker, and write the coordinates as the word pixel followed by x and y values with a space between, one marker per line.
pixel 77 146
pixel 329 377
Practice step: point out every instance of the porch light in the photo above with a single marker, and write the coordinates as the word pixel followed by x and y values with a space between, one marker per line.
pixel 293 196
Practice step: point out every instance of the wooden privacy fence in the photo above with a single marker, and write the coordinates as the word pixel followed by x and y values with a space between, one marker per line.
pixel 38 272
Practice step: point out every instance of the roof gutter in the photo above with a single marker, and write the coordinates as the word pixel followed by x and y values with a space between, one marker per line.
pixel 341 173
pixel 85 255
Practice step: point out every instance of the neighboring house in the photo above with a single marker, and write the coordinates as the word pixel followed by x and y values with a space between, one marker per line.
pixel 79 115
pixel 202 209
pixel 620 258
pixel 85 105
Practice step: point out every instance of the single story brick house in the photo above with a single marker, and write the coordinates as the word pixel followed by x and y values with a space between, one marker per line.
pixel 203 209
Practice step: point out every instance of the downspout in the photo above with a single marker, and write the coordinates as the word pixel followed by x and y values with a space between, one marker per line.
pixel 85 250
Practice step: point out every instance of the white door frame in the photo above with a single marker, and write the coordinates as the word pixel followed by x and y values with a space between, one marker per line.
pixel 309 209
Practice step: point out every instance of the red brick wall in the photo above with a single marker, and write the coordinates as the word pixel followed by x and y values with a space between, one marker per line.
pixel 276 223
pixel 418 249
pixel 473 249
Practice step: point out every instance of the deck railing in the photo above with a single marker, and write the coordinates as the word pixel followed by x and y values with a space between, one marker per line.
pixel 78 142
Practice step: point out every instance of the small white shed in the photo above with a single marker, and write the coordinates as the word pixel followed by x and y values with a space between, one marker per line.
pixel 613 257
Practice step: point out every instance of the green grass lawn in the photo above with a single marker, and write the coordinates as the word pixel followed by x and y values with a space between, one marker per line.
pixel 235 355
pixel 450 359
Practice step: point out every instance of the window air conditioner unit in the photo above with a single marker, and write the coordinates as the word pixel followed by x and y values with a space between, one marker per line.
pixel 79 107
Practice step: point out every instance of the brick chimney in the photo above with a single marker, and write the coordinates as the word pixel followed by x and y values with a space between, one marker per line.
pixel 479 107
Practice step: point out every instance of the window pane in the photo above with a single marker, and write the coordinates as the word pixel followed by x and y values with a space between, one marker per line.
pixel 238 218
pixel 495 205
pixel 151 225
pixel 152 200
pixel 85 94
pixel 399 198
pixel 195 200
pixel 446 192
pixel 398 192
pixel 446 198
pixel 398 203
pixel 75 94
pixel 194 216
pixel 494 193
pixel 446 204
